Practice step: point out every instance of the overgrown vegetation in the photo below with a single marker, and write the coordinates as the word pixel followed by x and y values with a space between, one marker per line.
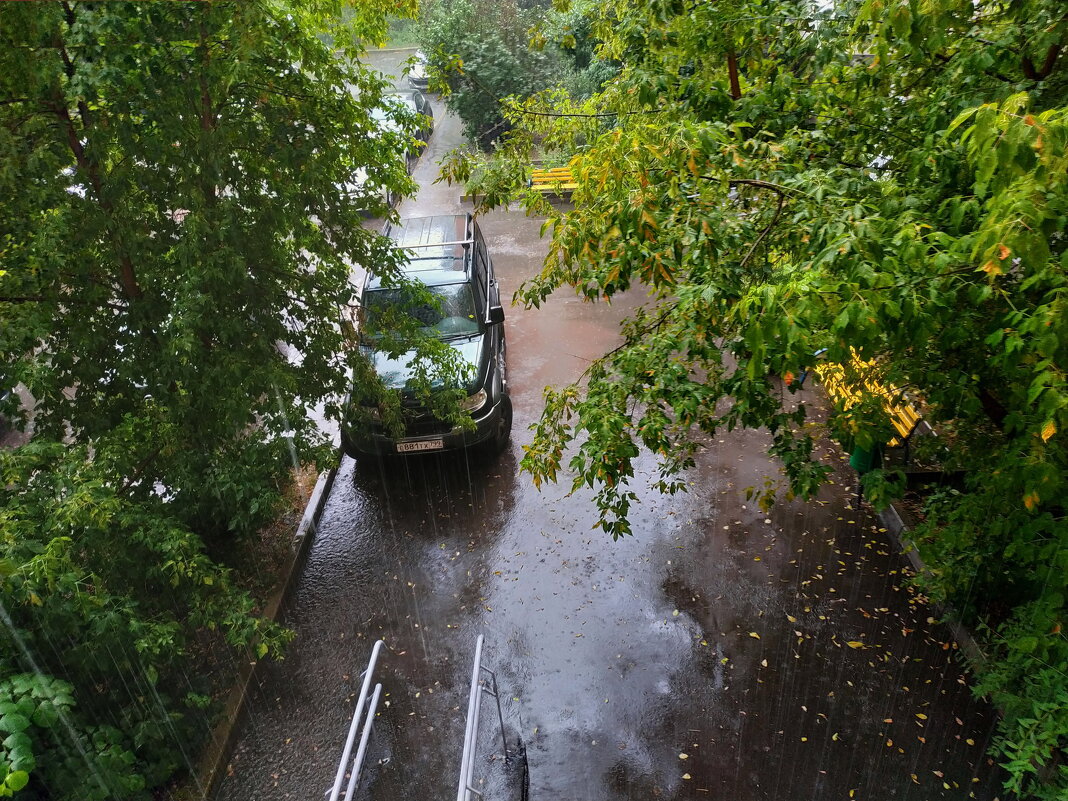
pixel 484 49
pixel 180 221
pixel 873 178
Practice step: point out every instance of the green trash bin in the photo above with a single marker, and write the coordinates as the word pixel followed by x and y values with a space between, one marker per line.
pixel 863 460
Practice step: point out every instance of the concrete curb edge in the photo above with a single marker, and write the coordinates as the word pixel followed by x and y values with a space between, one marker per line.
pixel 898 527
pixel 217 753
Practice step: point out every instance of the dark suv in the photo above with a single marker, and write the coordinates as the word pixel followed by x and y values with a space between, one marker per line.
pixel 448 256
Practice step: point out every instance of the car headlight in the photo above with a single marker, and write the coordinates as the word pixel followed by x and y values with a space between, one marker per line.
pixel 473 402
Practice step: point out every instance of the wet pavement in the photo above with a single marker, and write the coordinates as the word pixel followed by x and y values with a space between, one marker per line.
pixel 720 653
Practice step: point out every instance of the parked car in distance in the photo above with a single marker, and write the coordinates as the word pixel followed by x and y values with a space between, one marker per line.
pixel 416 101
pixel 448 257
pixel 394 103
pixel 417 77
pixel 386 119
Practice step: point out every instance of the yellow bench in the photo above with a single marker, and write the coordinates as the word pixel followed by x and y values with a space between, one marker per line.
pixel 903 415
pixel 554 181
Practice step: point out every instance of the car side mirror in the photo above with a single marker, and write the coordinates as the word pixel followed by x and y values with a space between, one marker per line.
pixel 496 315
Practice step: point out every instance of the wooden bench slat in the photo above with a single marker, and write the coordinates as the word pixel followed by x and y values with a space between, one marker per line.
pixel 558 180
pixel 903 416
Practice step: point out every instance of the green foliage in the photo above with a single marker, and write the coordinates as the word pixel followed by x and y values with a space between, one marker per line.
pixel 110 594
pixel 1026 680
pixel 48 752
pixel 482 48
pixel 1006 569
pixel 784 178
pixel 178 184
pixel 183 237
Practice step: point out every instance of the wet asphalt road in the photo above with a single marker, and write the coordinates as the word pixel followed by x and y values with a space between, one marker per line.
pixel 720 653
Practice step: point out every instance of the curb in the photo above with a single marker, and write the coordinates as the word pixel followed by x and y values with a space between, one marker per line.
pixel 217 753
pixel 898 527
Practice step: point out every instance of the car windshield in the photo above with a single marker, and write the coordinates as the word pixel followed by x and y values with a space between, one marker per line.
pixel 452 313
pixel 385 119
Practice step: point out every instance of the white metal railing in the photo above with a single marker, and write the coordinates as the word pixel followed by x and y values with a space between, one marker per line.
pixel 355 727
pixel 474 707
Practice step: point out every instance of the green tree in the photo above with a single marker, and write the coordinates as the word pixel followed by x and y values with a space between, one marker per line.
pixel 181 202
pixel 786 178
pixel 487 41
pixel 181 222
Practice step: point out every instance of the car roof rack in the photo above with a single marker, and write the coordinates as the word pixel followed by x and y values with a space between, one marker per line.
pixel 461 242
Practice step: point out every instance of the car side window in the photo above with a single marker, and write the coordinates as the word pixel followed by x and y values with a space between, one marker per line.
pixel 480 280
pixel 481 264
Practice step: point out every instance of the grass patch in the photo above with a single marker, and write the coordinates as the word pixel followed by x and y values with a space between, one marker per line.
pixel 403 33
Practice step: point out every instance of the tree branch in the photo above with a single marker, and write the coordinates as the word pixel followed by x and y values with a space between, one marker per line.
pixel 732 73
pixel 765 232
pixel 135 475
pixel 1047 65
pixel 88 166
pixel 46 299
pixel 631 340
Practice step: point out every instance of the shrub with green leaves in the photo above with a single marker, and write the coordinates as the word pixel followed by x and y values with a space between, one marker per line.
pixel 49 752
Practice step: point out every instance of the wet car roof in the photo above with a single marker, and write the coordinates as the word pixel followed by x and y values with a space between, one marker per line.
pixel 439 247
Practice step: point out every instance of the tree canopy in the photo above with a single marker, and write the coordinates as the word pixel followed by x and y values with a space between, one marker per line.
pixel 182 187
pixel 787 179
pixel 482 48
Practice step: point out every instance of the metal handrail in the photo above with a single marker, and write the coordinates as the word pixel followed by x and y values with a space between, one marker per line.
pixel 474 707
pixel 361 752
pixel 354 726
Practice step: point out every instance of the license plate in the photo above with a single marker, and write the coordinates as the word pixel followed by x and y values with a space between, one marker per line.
pixel 420 445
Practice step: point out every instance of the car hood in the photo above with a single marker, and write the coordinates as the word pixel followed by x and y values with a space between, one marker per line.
pixel 396 372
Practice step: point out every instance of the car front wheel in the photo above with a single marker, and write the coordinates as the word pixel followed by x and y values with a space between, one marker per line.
pixel 503 432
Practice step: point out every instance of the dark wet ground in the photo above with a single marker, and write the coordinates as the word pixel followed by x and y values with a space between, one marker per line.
pixel 720 653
